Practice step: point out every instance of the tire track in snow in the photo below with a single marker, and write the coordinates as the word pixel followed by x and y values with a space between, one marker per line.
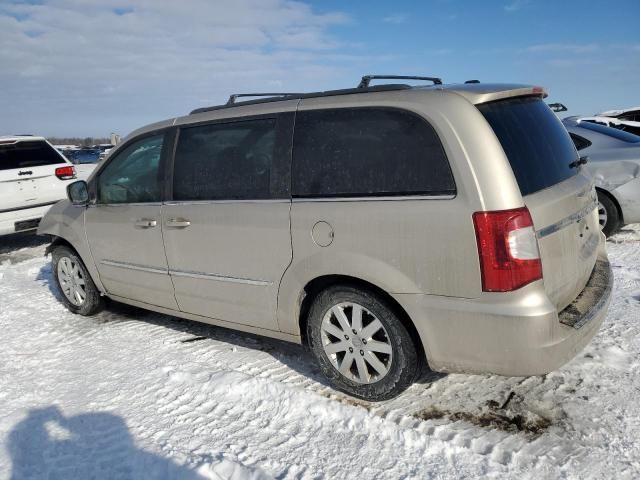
pixel 262 403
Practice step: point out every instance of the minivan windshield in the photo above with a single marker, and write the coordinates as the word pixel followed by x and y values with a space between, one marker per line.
pixel 536 143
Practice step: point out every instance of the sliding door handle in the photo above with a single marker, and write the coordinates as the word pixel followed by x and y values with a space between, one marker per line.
pixel 178 223
pixel 145 223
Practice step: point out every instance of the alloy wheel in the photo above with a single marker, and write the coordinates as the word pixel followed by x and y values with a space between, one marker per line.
pixel 356 343
pixel 71 281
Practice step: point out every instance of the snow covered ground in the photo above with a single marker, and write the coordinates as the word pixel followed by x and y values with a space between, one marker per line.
pixel 131 394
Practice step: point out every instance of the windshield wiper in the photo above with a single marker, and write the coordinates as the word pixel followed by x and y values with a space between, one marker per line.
pixel 580 161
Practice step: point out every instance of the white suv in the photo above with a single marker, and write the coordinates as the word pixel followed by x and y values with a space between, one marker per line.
pixel 33 176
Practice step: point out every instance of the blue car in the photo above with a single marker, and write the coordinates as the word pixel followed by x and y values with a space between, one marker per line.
pixel 83 156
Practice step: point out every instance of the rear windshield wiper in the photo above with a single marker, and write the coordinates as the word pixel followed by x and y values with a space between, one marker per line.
pixel 580 161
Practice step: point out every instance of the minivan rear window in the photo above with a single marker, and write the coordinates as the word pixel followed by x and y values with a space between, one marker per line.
pixel 25 154
pixel 536 143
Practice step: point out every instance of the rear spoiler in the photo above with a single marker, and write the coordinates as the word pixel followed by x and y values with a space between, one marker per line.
pixel 478 93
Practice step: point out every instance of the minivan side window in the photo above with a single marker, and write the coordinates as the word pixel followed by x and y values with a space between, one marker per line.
pixel 133 175
pixel 225 161
pixel 367 151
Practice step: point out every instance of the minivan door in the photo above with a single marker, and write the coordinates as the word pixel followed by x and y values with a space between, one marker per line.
pixel 124 224
pixel 227 228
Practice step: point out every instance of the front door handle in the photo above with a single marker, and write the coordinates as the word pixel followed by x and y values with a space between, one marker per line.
pixel 178 223
pixel 146 223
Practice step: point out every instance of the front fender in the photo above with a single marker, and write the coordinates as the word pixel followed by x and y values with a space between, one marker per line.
pixel 65 221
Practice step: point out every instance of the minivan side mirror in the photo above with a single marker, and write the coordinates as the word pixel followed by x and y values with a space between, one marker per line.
pixel 78 192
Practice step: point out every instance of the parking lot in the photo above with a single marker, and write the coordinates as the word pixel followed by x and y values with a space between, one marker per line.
pixel 129 392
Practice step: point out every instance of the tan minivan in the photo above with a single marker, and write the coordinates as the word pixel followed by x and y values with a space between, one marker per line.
pixel 387 227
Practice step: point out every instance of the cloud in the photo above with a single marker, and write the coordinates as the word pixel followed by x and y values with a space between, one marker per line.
pixel 573 62
pixel 395 18
pixel 605 56
pixel 576 48
pixel 86 67
pixel 122 10
pixel 515 5
pixel 629 48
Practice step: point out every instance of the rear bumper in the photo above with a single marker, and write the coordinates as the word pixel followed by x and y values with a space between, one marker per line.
pixel 9 219
pixel 515 334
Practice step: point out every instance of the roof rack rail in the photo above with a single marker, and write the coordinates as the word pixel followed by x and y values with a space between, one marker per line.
pixel 232 98
pixel 366 80
pixel 280 96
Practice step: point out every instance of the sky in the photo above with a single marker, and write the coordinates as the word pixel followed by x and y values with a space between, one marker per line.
pixel 89 68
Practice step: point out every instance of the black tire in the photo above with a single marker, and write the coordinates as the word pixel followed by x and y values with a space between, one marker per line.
pixel 612 223
pixel 404 364
pixel 93 301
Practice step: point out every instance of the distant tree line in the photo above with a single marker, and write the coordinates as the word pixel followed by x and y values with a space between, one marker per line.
pixel 82 142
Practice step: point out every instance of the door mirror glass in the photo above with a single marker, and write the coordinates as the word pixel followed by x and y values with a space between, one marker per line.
pixel 78 192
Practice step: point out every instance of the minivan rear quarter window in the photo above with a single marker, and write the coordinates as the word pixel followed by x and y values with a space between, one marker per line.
pixel 25 154
pixel 536 143
pixel 351 152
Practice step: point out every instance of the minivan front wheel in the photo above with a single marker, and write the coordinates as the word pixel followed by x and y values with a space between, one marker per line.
pixel 79 293
pixel 360 344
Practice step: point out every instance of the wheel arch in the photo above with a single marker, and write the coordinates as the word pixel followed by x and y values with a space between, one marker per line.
pixel 317 285
pixel 57 241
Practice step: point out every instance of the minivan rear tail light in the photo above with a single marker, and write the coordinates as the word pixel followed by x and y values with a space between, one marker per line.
pixel 66 173
pixel 508 249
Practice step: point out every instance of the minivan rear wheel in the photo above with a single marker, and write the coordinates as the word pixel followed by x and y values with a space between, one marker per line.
pixel 360 344
pixel 608 216
pixel 78 292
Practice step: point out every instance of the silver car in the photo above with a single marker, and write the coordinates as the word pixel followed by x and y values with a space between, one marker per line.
pixel 388 228
pixel 614 162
